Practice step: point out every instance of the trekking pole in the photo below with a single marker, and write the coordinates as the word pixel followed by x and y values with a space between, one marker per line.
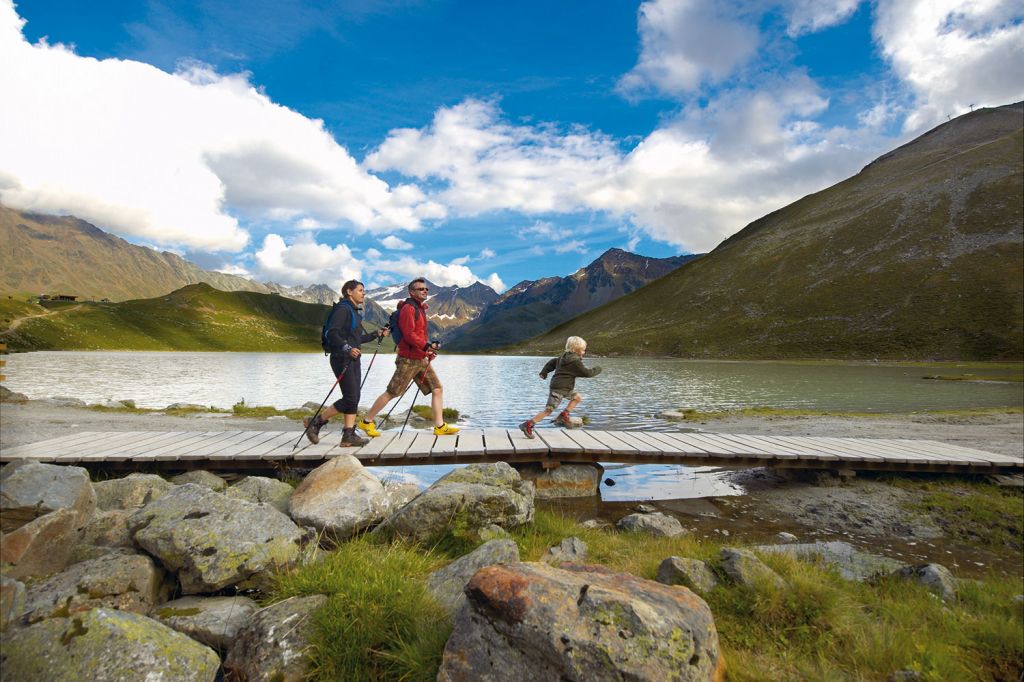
pixel 317 413
pixel 415 395
pixel 380 338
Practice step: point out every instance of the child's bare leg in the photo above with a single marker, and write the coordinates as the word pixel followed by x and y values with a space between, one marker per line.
pixel 572 404
pixel 541 415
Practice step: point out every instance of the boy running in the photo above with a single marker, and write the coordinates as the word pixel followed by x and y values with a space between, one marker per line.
pixel 563 383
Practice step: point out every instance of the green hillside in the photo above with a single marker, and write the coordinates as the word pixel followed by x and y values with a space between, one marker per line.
pixel 194 318
pixel 919 256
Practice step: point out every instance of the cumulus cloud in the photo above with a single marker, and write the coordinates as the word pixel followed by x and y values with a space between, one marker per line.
pixel 809 16
pixel 455 273
pixel 395 244
pixel 175 158
pixel 305 262
pixel 953 54
pixel 685 43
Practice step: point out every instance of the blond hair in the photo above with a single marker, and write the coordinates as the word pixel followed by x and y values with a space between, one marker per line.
pixel 575 344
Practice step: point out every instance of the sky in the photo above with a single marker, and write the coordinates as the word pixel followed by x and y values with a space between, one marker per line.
pixel 309 141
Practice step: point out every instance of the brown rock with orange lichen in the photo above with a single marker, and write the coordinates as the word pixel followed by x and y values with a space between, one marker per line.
pixel 579 623
pixel 339 498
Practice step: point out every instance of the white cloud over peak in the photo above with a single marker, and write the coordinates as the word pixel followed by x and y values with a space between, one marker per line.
pixel 395 244
pixel 455 273
pixel 685 43
pixel 174 158
pixel 953 54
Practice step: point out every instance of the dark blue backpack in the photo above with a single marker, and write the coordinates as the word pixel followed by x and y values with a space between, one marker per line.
pixel 324 342
pixel 396 333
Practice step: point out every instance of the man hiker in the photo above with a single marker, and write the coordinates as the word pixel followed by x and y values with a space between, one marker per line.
pixel 343 338
pixel 563 383
pixel 414 353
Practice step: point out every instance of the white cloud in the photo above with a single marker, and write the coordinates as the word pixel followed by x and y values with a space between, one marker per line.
pixel 685 43
pixel 455 273
pixel 174 158
pixel 809 16
pixel 571 245
pixel 305 262
pixel 487 254
pixel 395 244
pixel 953 54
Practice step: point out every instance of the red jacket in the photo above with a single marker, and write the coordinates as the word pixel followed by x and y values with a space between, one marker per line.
pixel 414 330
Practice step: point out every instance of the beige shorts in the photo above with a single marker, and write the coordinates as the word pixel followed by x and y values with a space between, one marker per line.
pixel 556 397
pixel 408 370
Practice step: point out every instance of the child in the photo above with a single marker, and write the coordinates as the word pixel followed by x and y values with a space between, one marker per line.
pixel 563 383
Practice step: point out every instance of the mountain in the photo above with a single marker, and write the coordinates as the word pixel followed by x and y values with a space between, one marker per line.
pixel 448 307
pixel 918 256
pixel 64 255
pixel 532 307
pixel 317 293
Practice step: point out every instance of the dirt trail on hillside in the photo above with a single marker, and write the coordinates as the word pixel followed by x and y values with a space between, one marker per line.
pixel 16 322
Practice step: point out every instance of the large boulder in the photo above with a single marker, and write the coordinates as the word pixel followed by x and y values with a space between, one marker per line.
pixel 692 573
pixel 656 524
pixel 567 480
pixel 935 577
pixel 571 549
pixel 104 644
pixel 131 492
pixel 746 569
pixel 12 600
pixel 579 623
pixel 340 498
pixel 399 493
pixel 214 621
pixel 108 529
pixel 119 580
pixel 463 502
pixel 30 489
pixel 448 584
pixel 207 479
pixel 41 546
pixel 212 541
pixel 274 647
pixel 262 490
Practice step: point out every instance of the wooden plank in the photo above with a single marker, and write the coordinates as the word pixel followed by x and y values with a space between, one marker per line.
pixel 802 451
pixel 231 438
pixel 325 449
pixel 850 446
pixel 689 445
pixel 642 446
pixel 912 450
pixel 375 447
pixel 269 448
pixel 819 445
pixel 530 447
pixel 110 446
pixel 397 447
pixel 166 449
pixel 616 445
pixel 556 440
pixel 757 448
pixel 498 443
pixel 590 444
pixel 954 451
pixel 43 449
pixel 667 446
pixel 421 445
pixel 722 446
pixel 444 446
pixel 992 456
pixel 238 451
pixel 470 443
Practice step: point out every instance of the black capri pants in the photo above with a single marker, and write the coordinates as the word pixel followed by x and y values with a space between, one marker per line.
pixel 349 401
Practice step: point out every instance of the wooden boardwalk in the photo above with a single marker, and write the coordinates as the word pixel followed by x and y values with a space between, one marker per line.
pixel 241 450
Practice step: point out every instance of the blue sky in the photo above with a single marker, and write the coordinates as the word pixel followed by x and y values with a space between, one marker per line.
pixel 307 142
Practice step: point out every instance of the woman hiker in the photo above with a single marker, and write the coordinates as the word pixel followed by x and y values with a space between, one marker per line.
pixel 345 335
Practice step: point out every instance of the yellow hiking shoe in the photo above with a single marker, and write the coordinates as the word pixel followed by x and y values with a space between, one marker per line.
pixel 369 428
pixel 445 430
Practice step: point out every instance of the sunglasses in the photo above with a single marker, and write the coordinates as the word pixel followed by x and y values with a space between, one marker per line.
pixel 421 289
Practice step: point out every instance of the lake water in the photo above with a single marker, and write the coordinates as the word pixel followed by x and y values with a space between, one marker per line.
pixel 504 390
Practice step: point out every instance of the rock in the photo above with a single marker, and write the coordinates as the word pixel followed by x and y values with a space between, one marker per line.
pixel 447 584
pixel 12 601
pixel 273 647
pixel 935 577
pixel 492 532
pixel 533 621
pixel 118 580
pixel 594 524
pixel 568 480
pixel 116 404
pixel 657 524
pixel 83 552
pixel 399 494
pixel 906 675
pixel 42 546
pixel 212 541
pixel 203 478
pixel 645 509
pixel 570 549
pixel 462 502
pixel 851 563
pixel 214 621
pixel 313 407
pixel 746 569
pixel 105 644
pixel 30 489
pixel 691 573
pixel 9 396
pixel 672 415
pixel 189 407
pixel 786 538
pixel 63 401
pixel 108 529
pixel 339 498
pixel 131 492
pixel 262 490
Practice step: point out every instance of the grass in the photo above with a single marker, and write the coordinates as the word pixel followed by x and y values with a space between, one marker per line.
pixel 975 377
pixel 449 414
pixel 239 409
pixel 381 625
